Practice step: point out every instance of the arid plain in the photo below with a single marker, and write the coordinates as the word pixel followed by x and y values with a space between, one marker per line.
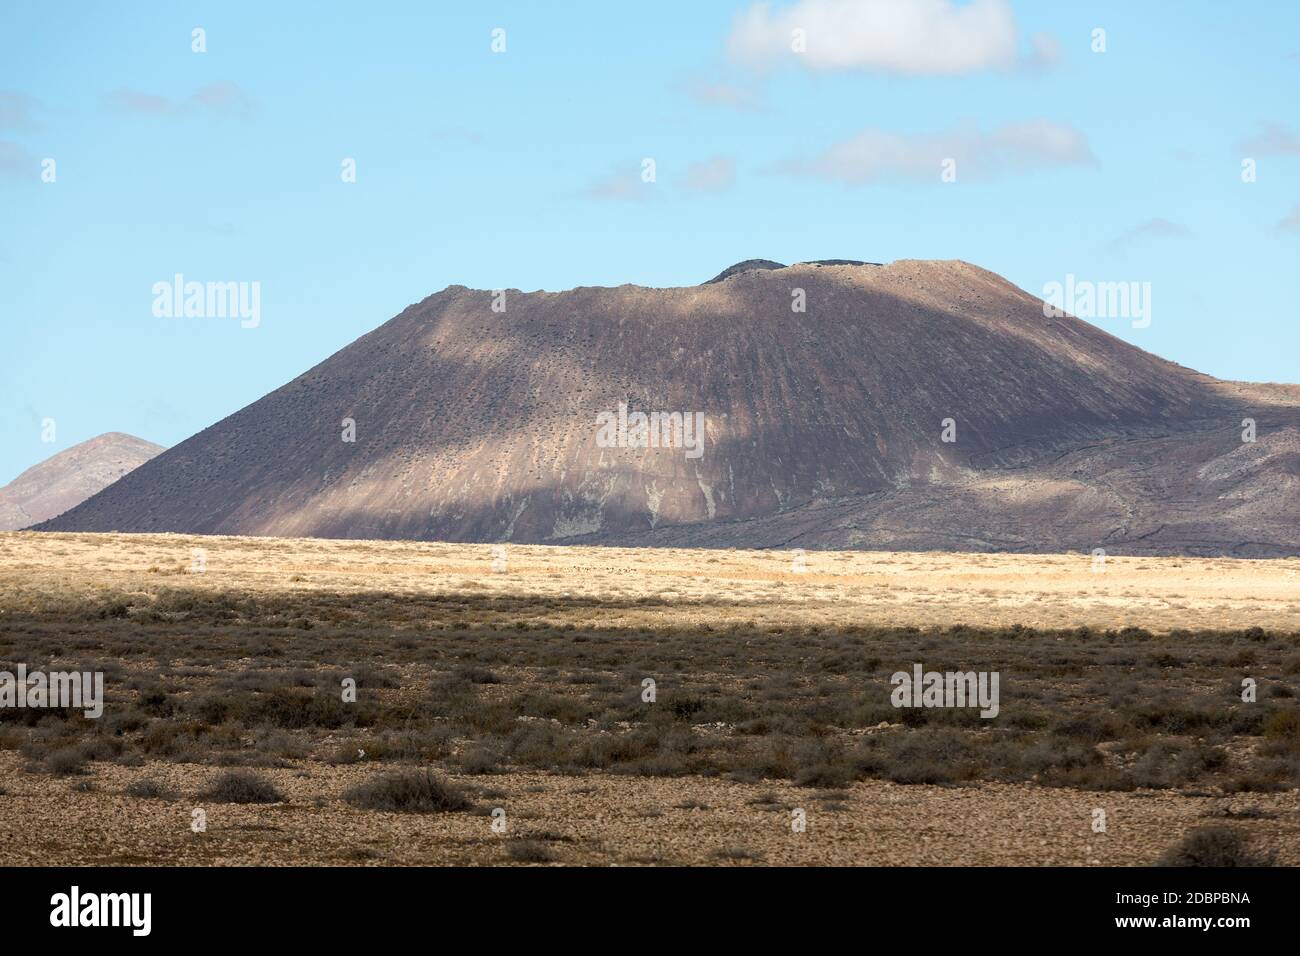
pixel 502 712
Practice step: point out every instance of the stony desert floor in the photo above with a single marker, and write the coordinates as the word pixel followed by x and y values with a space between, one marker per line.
pixel 517 676
pixel 618 820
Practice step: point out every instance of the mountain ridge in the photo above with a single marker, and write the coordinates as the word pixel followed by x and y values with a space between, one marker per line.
pixel 480 425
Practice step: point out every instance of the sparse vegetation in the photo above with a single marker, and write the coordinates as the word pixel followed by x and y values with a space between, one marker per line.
pixel 1216 846
pixel 408 791
pixel 66 762
pixel 738 854
pixel 1100 710
pixel 149 790
pixel 529 851
pixel 481 683
pixel 241 786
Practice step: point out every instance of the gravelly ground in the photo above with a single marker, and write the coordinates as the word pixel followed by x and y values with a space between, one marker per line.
pixel 611 820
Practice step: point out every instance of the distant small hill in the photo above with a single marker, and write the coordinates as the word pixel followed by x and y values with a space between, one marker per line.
pixel 67 479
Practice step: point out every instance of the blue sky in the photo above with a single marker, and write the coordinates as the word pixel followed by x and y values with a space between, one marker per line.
pixel 522 169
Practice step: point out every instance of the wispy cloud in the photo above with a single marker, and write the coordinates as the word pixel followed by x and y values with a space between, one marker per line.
pixel 457 134
pixel 910 37
pixel 726 95
pixel 1291 221
pixel 876 155
pixel 622 184
pixel 17 111
pixel 1044 53
pixel 223 98
pixel 17 163
pixel 1273 139
pixel 1157 228
pixel 133 101
pixel 714 175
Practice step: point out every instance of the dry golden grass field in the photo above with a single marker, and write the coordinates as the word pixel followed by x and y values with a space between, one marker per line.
pixel 501 712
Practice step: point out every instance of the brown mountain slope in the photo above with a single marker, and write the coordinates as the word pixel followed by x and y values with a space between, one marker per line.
pixel 70 477
pixel 822 428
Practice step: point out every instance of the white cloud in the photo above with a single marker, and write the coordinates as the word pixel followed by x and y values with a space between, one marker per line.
pixel 912 37
pixel 876 155
pixel 713 175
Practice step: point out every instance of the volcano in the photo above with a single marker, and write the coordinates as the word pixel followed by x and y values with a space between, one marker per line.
pixel 909 406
